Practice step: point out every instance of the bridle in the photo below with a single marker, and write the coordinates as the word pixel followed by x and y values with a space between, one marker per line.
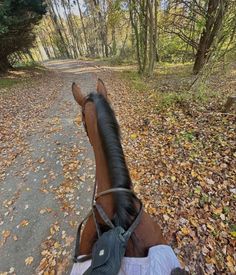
pixel 111 190
pixel 105 218
pixel 96 206
pixel 85 101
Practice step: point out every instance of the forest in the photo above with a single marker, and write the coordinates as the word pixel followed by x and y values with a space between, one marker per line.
pixel 145 32
pixel 169 67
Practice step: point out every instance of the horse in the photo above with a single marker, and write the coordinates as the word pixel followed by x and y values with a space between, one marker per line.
pixel 111 178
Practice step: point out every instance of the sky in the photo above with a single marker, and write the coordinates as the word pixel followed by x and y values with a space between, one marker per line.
pixel 74 9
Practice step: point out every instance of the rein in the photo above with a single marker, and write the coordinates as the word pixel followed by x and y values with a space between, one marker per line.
pixel 105 218
pixel 99 209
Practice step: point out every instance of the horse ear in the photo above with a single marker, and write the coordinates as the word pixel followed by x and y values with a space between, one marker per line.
pixel 79 97
pixel 101 89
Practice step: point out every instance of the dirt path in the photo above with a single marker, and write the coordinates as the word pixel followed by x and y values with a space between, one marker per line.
pixel 182 163
pixel 47 188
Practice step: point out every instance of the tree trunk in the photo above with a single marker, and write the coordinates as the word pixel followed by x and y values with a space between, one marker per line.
pixel 57 26
pixel 200 56
pixel 4 64
pixel 215 13
pixel 103 28
pixel 144 33
pixel 113 35
pixel 83 27
pixel 151 38
pixel 136 34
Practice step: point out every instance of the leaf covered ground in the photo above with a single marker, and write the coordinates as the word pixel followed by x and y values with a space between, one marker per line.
pixel 182 161
pixel 180 151
pixel 23 103
pixel 45 161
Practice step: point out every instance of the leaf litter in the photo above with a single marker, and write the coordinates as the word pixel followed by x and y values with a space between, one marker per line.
pixel 183 168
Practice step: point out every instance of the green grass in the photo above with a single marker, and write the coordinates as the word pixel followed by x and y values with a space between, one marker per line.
pixel 137 81
pixel 29 66
pixel 8 82
pixel 21 73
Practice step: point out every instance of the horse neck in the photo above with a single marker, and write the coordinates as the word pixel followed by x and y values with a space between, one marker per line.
pixel 113 173
pixel 103 181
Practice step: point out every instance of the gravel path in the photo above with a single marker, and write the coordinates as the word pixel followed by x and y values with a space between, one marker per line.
pixel 47 189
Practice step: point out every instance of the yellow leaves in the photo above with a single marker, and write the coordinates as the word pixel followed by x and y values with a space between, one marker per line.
pixel 8 203
pixel 185 230
pixel 73 223
pixel 29 260
pixel 173 178
pixel 198 190
pixel 70 166
pixel 53 263
pixel 56 245
pixel 48 263
pixel 161 174
pixel 194 174
pixel 54 228
pixel 151 209
pixel 45 252
pixel 231 264
pixel 209 226
pixel 73 165
pixel 133 136
pixel 55 121
pixel 134 174
pixel 233 234
pixel 194 222
pixel 51 272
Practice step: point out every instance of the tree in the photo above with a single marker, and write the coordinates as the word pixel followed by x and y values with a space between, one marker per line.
pixel 17 21
pixel 143 17
pixel 216 10
pixel 197 23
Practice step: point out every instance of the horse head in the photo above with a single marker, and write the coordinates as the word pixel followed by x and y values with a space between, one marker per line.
pixel 112 173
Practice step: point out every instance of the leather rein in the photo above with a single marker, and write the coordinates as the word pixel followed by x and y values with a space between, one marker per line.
pixel 96 206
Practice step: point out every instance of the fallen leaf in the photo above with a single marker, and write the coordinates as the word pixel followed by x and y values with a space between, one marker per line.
pixel 29 260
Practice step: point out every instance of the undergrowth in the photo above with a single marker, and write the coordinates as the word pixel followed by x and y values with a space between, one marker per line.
pixel 21 73
pixel 8 82
pixel 176 95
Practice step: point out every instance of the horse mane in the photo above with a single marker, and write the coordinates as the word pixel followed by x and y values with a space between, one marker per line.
pixel 109 132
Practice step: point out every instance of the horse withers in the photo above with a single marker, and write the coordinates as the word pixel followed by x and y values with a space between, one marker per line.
pixel 114 203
